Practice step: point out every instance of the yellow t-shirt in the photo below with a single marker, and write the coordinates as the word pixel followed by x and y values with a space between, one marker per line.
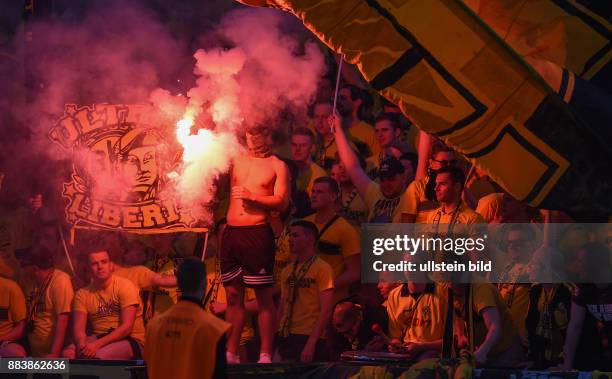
pixel 466 217
pixel 219 296
pixel 415 202
pixel 364 138
pixel 382 209
pixel 57 299
pixel 182 342
pixel 305 180
pixel 12 305
pixel 306 307
pixel 140 276
pixel 485 295
pixel 338 241
pixel 490 206
pixel 103 307
pixel 417 319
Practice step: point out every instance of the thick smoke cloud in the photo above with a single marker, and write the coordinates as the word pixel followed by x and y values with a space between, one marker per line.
pixel 249 71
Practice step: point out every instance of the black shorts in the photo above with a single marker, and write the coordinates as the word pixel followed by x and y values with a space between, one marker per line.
pixel 247 253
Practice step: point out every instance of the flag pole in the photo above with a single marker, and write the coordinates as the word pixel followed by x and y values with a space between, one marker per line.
pixel 337 89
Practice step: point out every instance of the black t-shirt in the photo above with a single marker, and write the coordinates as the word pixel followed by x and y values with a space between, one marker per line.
pixel 597 301
pixel 597 328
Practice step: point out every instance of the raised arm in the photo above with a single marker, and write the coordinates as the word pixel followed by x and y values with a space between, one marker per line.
pixel 160 280
pixel 349 159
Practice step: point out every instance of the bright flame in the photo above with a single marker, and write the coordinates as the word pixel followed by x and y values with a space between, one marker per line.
pixel 195 146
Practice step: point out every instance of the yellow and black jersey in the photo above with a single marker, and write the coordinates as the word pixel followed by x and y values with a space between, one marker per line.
pixel 417 317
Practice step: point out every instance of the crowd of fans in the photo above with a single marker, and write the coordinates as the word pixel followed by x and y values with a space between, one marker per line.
pixel 345 171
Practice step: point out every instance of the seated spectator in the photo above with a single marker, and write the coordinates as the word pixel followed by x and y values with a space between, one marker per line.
pixel 352 327
pixel 50 296
pixel 338 241
pixel 113 308
pixel 186 341
pixel 416 313
pixel 12 319
pixel 302 148
pixel 306 298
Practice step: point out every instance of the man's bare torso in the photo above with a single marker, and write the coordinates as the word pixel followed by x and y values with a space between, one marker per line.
pixel 257 175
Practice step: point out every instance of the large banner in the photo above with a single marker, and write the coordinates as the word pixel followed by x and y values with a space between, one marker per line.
pixel 456 79
pixel 121 165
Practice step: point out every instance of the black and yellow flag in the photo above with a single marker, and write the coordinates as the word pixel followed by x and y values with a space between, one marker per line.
pixel 447 66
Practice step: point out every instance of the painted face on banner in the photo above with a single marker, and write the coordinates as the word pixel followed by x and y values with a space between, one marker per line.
pixel 122 158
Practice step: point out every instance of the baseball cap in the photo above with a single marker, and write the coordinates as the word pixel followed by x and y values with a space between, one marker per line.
pixel 390 167
pixel 36 255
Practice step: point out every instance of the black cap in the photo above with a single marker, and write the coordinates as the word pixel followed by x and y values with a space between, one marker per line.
pixel 390 167
pixel 37 255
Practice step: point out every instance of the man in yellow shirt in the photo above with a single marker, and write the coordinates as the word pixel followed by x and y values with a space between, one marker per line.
pixel 186 341
pixel 452 211
pixel 351 106
pixel 338 241
pixel 12 319
pixel 113 308
pixel 306 298
pixel 417 204
pixel 387 131
pixel 49 298
pixel 302 147
pixel 416 314
pixel 383 200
